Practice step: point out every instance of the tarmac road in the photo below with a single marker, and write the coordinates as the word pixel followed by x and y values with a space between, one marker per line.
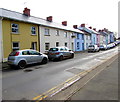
pixel 103 86
pixel 20 84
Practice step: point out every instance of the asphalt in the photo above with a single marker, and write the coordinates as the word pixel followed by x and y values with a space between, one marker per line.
pixel 103 86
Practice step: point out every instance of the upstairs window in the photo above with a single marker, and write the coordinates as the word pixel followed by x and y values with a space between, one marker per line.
pixel 57 32
pixel 33 30
pixel 47 31
pixel 65 34
pixel 14 28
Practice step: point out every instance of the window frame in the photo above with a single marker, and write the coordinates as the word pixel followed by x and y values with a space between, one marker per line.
pixel 47 32
pixel 48 46
pixel 15 48
pixel 33 30
pixel 16 28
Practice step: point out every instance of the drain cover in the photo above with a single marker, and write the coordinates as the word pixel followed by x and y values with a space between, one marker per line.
pixel 75 70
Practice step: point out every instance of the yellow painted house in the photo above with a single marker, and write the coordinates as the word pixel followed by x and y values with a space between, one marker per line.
pixel 16 33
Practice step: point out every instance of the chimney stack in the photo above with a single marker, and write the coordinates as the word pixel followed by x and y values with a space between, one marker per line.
pixel 64 23
pixel 82 25
pixel 26 11
pixel 94 29
pixel 49 18
pixel 90 27
pixel 75 26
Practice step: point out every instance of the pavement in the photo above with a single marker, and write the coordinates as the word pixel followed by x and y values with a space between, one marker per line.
pixel 103 86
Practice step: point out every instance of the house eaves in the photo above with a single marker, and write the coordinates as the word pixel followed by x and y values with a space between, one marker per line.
pixel 12 15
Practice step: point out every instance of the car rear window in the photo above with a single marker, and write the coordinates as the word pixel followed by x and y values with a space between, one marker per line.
pixel 13 53
pixel 53 49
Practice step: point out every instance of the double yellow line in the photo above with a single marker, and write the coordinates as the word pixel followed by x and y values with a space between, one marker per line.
pixel 58 87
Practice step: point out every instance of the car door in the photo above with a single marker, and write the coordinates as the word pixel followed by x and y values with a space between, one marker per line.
pixel 35 57
pixel 66 52
pixel 26 55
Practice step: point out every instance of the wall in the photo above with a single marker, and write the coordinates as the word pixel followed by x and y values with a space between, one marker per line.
pixel 1 45
pixel 24 36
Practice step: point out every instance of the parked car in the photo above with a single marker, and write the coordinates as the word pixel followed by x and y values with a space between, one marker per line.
pixel 60 53
pixel 21 58
pixel 93 48
pixel 103 47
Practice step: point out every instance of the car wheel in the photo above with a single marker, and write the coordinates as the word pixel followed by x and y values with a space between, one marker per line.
pixel 61 58
pixel 72 55
pixel 22 64
pixel 44 61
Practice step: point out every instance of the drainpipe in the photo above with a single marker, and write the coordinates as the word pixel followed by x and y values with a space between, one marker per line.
pixel 38 39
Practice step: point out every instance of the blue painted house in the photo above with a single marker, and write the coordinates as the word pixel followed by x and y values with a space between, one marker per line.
pixel 79 42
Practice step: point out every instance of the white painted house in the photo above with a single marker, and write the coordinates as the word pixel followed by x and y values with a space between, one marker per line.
pixel 53 34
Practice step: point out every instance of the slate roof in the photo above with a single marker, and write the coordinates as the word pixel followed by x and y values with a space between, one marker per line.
pixel 34 20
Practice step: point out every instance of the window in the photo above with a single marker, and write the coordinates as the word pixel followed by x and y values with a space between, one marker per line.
pixel 33 30
pixel 66 44
pixel 77 36
pixel 57 32
pixel 34 53
pixel 15 46
pixel 78 46
pixel 34 45
pixel 82 37
pixel 47 32
pixel 47 46
pixel 57 44
pixel 65 34
pixel 14 28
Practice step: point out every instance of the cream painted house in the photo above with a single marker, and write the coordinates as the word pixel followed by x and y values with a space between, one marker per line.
pixel 54 37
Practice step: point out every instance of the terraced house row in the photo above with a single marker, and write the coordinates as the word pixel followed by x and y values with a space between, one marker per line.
pixel 23 31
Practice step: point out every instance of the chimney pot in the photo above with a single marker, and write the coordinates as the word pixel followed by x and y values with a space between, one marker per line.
pixel 64 23
pixel 26 11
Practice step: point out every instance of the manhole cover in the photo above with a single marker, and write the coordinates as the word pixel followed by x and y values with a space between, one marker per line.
pixel 75 70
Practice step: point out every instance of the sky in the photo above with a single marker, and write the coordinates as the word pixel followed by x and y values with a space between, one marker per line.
pixel 96 13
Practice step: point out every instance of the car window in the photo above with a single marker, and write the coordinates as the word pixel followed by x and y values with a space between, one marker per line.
pixel 25 53
pixel 53 49
pixel 12 53
pixel 34 53
pixel 61 49
pixel 66 49
pixel 91 45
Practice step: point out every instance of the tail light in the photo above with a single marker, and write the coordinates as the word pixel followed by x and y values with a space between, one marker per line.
pixel 57 53
pixel 17 53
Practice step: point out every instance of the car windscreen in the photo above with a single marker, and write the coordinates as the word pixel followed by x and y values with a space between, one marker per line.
pixel 53 49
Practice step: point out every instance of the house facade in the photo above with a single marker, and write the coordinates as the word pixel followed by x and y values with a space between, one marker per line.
pixel 79 42
pixel 54 37
pixel 1 41
pixel 16 33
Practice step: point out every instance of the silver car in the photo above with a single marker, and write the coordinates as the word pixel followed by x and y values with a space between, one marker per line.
pixel 21 58
pixel 60 53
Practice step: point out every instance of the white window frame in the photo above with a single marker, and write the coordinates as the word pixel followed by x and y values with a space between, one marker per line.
pixel 34 45
pixel 33 30
pixel 65 34
pixel 15 28
pixel 47 32
pixel 57 33
pixel 16 48
pixel 46 49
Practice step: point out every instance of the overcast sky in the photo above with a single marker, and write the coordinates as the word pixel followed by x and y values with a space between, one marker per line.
pixel 96 13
